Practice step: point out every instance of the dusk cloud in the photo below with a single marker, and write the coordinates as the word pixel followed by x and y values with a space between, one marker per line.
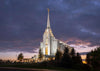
pixel 22 22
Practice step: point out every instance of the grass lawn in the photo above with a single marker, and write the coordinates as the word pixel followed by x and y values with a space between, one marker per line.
pixel 37 66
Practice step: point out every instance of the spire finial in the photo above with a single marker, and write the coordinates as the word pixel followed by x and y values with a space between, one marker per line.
pixel 48 20
pixel 48 9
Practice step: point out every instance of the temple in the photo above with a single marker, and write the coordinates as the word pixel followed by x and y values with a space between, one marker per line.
pixel 50 44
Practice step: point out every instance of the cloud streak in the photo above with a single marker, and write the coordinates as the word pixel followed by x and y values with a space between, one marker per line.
pixel 22 23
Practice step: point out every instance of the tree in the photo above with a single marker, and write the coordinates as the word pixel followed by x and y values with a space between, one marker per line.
pixel 77 59
pixel 93 58
pixel 40 54
pixel 88 59
pixel 1 61
pixel 20 57
pixel 72 52
pixel 66 50
pixel 58 55
pixel 66 59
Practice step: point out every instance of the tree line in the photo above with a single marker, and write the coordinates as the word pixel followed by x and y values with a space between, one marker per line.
pixel 66 59
pixel 73 60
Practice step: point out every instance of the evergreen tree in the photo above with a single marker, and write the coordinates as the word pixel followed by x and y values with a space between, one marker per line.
pixel 77 59
pixel 66 50
pixel 58 56
pixel 93 58
pixel 88 59
pixel 72 52
pixel 66 59
pixel 20 57
pixel 40 54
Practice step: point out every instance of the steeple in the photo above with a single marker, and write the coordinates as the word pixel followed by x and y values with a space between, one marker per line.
pixel 48 29
pixel 48 20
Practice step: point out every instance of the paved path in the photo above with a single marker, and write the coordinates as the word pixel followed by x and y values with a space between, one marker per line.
pixel 22 69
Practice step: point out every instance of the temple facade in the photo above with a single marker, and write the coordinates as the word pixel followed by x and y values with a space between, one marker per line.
pixel 50 44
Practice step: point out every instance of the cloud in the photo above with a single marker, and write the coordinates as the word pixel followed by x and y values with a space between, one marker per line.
pixel 22 22
pixel 27 46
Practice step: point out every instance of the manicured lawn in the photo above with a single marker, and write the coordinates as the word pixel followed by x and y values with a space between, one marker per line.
pixel 37 66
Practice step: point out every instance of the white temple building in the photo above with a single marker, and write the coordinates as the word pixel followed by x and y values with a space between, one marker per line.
pixel 50 44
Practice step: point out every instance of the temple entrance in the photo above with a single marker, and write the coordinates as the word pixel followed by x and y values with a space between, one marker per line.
pixel 46 51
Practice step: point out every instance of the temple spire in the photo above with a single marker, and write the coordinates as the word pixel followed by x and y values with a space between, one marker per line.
pixel 48 20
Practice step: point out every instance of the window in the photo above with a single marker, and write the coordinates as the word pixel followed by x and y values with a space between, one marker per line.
pixel 46 50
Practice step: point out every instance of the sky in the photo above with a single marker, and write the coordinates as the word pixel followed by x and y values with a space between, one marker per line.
pixel 23 22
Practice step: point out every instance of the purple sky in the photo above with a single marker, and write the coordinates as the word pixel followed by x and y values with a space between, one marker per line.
pixel 22 24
